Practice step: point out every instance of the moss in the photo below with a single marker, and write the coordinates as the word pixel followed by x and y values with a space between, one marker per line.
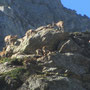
pixel 19 73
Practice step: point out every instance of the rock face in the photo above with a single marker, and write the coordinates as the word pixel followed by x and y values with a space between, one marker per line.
pixel 72 61
pixel 56 83
pixel 17 16
pixel 69 46
pixel 46 58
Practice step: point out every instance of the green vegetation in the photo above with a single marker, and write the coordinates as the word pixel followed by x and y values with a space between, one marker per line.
pixel 18 73
pixel 15 74
pixel 3 60
pixel 12 61
pixel 14 77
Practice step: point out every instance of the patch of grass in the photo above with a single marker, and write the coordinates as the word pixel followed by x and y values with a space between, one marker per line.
pixel 3 60
pixel 20 73
pixel 15 77
pixel 16 73
pixel 12 61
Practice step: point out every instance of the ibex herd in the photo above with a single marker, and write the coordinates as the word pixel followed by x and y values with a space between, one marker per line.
pixel 59 26
pixel 10 40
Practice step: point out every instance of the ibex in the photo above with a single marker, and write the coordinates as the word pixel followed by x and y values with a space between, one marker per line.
pixel 10 40
pixel 45 50
pixel 29 32
pixel 3 53
pixel 7 39
pixel 60 25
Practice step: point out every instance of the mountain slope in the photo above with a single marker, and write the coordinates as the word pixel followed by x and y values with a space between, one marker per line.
pixel 46 59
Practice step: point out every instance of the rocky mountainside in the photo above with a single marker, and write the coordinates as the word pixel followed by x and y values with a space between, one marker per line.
pixel 18 16
pixel 50 55
pixel 46 59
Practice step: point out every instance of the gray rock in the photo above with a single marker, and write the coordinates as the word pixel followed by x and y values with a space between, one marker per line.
pixel 69 46
pixel 87 86
pixel 74 62
pixel 51 83
pixel 47 37
pixel 6 64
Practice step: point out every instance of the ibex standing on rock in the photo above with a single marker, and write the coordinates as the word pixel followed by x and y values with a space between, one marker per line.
pixel 29 32
pixel 13 39
pixel 7 39
pixel 60 25
pixel 10 40
pixel 3 53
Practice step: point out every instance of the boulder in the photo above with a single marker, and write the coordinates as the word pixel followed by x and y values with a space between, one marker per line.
pixel 47 37
pixel 51 83
pixel 74 62
pixel 69 46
